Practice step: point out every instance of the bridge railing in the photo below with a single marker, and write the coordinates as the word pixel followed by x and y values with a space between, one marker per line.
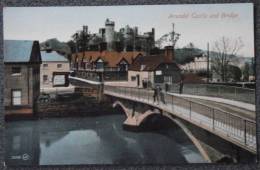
pixel 229 92
pixel 235 128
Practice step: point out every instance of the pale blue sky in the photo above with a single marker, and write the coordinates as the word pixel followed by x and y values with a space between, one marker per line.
pixel 41 23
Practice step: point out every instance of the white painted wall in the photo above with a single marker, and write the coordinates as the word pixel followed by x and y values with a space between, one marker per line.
pixel 52 67
pixel 144 75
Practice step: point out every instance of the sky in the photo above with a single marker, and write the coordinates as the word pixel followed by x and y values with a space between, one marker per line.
pixel 199 24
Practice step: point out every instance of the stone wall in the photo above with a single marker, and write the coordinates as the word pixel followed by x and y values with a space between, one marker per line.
pixel 84 106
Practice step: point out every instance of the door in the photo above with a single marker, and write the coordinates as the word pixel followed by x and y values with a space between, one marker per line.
pixel 16 97
pixel 138 79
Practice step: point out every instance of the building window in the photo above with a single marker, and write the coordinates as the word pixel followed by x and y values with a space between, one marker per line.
pixel 45 78
pixel 45 65
pixel 16 97
pixel 133 78
pixel 142 67
pixel 123 67
pixel 100 64
pixel 158 72
pixel 168 79
pixel 59 65
pixel 16 70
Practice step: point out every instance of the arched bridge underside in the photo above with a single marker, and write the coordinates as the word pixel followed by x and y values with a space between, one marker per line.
pixel 135 118
pixel 214 132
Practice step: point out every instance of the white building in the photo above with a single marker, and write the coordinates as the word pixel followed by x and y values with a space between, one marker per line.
pixel 199 64
pixel 54 69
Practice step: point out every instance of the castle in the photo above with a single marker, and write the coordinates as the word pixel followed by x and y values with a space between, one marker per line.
pixel 108 39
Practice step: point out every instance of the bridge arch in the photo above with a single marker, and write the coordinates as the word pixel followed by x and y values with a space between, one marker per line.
pixel 121 105
pixel 193 139
pixel 136 120
pixel 141 118
pixel 187 132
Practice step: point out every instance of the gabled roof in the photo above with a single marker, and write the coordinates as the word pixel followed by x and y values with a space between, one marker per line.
pixel 112 58
pixel 150 63
pixel 123 60
pixel 52 56
pixel 18 50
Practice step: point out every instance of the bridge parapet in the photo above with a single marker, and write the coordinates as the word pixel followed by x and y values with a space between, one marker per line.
pixel 215 90
pixel 239 130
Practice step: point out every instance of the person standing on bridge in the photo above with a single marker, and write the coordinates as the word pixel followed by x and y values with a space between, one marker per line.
pixel 155 94
pixel 158 92
pixel 181 86
pixel 161 95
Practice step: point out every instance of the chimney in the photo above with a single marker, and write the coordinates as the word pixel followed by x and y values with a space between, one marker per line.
pixel 169 54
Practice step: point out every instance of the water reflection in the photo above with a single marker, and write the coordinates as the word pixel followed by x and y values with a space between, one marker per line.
pixel 94 140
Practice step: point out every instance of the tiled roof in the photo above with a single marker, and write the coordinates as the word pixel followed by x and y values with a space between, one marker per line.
pixel 112 58
pixel 52 56
pixel 150 63
pixel 17 50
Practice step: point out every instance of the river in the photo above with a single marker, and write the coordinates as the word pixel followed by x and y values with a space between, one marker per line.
pixel 95 140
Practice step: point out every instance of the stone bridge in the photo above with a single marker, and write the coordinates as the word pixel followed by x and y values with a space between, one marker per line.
pixel 217 134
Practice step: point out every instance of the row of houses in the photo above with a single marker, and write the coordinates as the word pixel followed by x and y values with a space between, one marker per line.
pixel 104 60
pixel 143 70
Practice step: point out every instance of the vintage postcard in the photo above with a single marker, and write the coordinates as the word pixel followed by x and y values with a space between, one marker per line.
pixel 129 85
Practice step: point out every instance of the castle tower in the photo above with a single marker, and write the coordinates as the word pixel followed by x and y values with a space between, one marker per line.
pixel 85 29
pixel 127 36
pixel 109 34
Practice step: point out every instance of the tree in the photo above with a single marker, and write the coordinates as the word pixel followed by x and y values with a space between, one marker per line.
pixel 190 46
pixel 55 45
pixel 224 49
pixel 162 40
pixel 72 46
pixel 187 53
pixel 252 68
pixel 81 39
pixel 234 73
pixel 246 72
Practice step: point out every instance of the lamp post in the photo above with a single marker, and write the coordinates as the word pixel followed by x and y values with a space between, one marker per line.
pixel 174 36
pixel 207 63
pixel 77 50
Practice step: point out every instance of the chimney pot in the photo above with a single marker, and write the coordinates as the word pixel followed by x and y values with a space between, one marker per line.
pixel 168 53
